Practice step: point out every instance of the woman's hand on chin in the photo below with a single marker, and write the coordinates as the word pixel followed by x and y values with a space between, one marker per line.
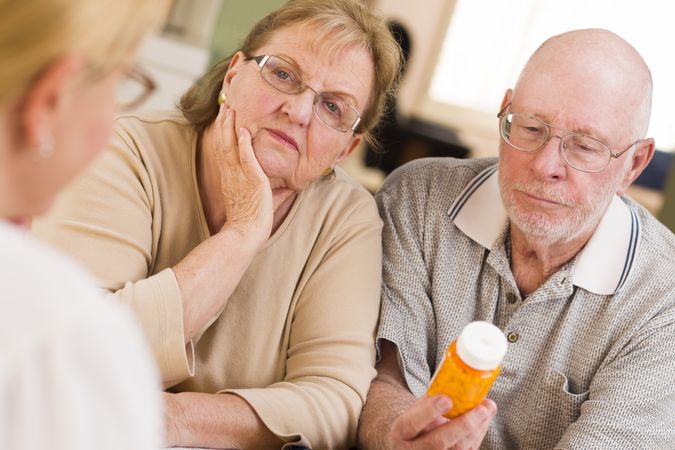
pixel 246 191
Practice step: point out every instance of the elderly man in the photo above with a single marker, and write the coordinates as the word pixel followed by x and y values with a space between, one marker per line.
pixel 544 245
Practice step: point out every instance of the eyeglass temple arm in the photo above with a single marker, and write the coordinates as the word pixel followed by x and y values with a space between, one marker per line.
pixel 356 124
pixel 259 60
pixel 500 114
pixel 616 155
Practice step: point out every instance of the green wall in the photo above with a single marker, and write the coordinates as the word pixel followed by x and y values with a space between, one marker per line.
pixel 235 20
pixel 667 215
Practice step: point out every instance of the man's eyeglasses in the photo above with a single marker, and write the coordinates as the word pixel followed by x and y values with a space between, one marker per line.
pixel 134 89
pixel 528 134
pixel 287 78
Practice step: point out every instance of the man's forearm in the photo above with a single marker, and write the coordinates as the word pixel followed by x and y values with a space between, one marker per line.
pixel 215 421
pixel 386 401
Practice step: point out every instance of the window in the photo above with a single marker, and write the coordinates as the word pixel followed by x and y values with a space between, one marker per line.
pixel 489 41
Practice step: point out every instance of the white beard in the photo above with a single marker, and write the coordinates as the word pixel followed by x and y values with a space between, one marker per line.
pixel 537 223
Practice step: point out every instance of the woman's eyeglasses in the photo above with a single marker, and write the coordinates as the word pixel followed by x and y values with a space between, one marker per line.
pixel 287 78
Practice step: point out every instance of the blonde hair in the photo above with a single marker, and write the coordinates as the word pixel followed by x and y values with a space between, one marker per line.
pixel 337 24
pixel 34 33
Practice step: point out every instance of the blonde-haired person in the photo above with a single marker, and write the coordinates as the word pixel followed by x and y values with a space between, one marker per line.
pixel 74 370
pixel 251 261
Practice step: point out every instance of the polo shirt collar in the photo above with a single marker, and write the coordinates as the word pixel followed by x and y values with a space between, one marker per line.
pixel 602 266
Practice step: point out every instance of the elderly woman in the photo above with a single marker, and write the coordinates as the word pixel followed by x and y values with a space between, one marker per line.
pixel 252 262
pixel 75 373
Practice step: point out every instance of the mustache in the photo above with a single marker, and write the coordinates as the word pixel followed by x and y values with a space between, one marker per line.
pixel 545 191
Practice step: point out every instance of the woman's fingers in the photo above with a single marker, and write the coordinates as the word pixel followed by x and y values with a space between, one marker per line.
pixel 218 140
pixel 228 136
pixel 236 148
pixel 247 156
pixel 246 192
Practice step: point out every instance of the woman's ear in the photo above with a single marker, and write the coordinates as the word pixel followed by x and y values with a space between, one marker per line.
pixel 349 149
pixel 232 69
pixel 48 99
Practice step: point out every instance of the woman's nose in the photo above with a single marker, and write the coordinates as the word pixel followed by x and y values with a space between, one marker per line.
pixel 300 107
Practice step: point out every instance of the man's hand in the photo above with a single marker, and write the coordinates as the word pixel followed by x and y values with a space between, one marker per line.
pixel 423 425
pixel 394 419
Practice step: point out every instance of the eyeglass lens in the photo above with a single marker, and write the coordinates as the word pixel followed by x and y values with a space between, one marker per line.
pixel 529 134
pixel 286 78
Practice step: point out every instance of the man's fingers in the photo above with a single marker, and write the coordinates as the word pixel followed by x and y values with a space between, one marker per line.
pixel 420 415
pixel 473 440
pixel 462 429
pixel 473 423
pixel 474 418
pixel 437 422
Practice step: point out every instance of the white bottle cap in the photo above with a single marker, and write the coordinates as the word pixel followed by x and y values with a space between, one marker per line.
pixel 481 345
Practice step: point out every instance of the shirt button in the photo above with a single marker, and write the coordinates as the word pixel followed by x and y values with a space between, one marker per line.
pixel 512 337
pixel 511 298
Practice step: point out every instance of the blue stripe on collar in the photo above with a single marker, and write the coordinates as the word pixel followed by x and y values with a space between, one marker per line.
pixel 604 264
pixel 469 190
pixel 478 211
pixel 630 256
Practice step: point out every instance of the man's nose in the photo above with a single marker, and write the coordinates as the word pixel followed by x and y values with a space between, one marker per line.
pixel 548 161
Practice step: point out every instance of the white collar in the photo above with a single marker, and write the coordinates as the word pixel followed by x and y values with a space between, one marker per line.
pixel 603 264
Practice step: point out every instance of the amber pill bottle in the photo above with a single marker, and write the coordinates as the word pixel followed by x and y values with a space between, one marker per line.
pixel 470 366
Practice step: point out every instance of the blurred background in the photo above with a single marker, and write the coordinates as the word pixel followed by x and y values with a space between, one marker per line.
pixel 461 57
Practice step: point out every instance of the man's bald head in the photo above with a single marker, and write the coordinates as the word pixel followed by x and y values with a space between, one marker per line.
pixel 598 63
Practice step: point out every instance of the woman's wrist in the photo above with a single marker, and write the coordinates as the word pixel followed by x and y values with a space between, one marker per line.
pixel 248 237
pixel 173 420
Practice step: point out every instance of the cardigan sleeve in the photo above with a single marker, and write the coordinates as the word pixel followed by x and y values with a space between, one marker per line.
pixel 331 356
pixel 105 220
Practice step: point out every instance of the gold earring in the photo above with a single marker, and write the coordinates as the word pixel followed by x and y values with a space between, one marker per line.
pixel 329 172
pixel 222 98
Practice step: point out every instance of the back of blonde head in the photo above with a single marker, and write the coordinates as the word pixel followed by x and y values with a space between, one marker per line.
pixel 34 33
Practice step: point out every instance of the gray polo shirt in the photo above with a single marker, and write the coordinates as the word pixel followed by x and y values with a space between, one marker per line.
pixel 591 359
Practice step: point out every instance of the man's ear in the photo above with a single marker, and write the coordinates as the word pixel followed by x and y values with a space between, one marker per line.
pixel 507 99
pixel 643 154
pixel 48 98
